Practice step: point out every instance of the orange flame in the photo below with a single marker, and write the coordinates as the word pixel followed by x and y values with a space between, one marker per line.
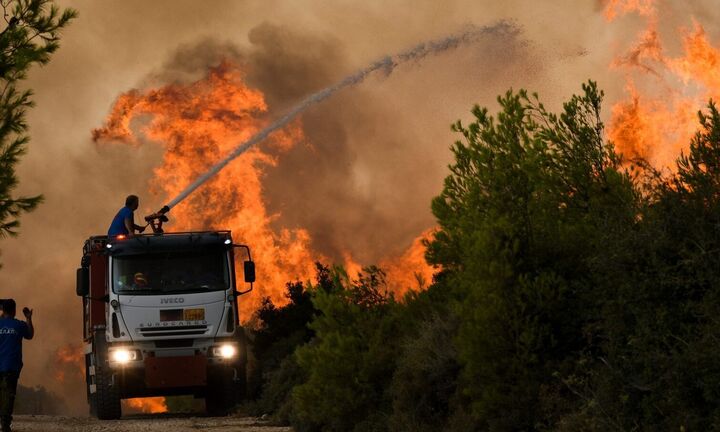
pixel 199 123
pixel 69 363
pixel 404 273
pixel 615 8
pixel 410 271
pixel 659 117
pixel 149 405
pixel 701 62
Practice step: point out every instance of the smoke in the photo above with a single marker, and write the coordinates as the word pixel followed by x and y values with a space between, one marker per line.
pixel 285 65
pixel 385 64
pixel 363 181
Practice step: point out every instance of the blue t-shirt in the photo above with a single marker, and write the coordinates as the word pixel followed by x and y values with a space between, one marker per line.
pixel 12 332
pixel 117 226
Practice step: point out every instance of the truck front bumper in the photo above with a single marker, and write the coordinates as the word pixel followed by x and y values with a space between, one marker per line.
pixel 174 372
pixel 135 355
pixel 144 369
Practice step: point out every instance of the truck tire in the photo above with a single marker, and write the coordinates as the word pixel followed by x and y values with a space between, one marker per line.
pixel 88 382
pixel 107 393
pixel 241 367
pixel 220 393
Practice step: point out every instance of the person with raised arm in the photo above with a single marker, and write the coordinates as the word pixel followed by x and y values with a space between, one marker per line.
pixel 12 333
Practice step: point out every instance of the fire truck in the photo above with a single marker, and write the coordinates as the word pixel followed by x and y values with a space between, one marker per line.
pixel 160 314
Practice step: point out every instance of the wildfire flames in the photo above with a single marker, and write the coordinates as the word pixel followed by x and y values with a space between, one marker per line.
pixel 198 124
pixel 409 270
pixel 150 405
pixel 69 363
pixel 620 7
pixel 659 117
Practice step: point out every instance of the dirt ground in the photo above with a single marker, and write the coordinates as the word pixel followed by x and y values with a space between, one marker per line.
pixel 143 423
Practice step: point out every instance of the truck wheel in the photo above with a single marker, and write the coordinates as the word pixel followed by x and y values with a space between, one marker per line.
pixel 241 367
pixel 107 394
pixel 88 382
pixel 240 385
pixel 92 403
pixel 220 394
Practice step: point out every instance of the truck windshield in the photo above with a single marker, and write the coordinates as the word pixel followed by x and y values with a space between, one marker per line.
pixel 170 272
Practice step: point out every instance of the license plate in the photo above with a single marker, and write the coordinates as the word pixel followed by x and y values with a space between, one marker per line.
pixel 194 314
pixel 171 315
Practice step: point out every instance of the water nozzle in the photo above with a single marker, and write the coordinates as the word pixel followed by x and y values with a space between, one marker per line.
pixel 156 219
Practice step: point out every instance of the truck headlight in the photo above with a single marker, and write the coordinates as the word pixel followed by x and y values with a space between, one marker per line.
pixel 123 355
pixel 225 351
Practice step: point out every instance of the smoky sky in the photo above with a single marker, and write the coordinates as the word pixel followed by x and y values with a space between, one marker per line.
pixel 372 157
pixel 354 182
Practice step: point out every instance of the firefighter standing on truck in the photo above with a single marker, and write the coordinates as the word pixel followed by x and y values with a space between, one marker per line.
pixel 12 332
pixel 124 221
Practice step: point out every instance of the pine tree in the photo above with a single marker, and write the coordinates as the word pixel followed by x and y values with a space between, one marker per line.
pixel 531 203
pixel 30 36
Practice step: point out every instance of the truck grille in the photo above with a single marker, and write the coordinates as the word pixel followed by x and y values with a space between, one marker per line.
pixel 192 330
pixel 174 343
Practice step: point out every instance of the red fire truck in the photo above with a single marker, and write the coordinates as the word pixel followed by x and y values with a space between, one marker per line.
pixel 160 315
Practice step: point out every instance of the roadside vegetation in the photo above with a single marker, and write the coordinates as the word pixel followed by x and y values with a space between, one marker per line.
pixel 576 291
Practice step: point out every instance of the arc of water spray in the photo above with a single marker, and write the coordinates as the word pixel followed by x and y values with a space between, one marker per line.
pixel 386 64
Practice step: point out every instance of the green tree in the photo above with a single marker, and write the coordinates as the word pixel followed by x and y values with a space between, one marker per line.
pixel 524 214
pixel 658 368
pixel 575 294
pixel 350 362
pixel 279 332
pixel 30 36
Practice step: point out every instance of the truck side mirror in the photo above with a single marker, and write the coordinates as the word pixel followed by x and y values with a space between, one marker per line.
pixel 82 287
pixel 249 270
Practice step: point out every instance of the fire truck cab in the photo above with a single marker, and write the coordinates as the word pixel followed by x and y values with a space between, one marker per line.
pixel 160 315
